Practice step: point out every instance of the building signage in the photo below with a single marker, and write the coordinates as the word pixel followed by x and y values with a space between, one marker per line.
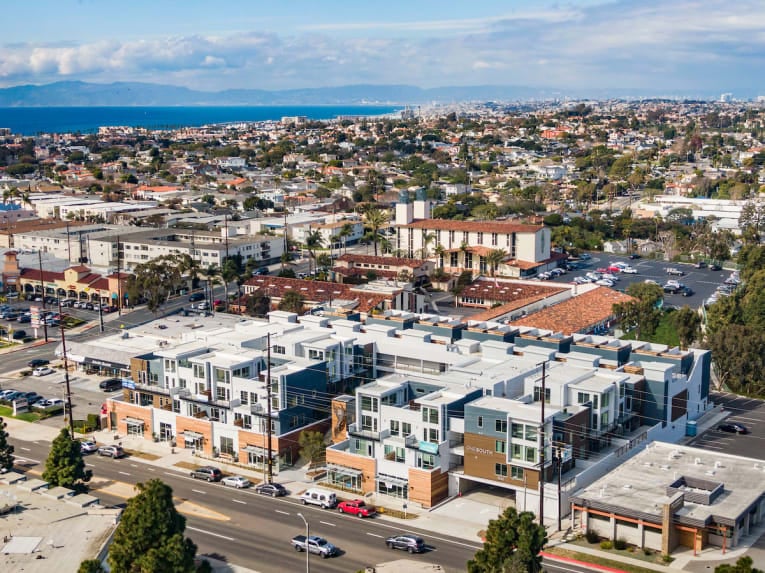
pixel 128 383
pixel 20 405
pixel 482 451
pixel 103 363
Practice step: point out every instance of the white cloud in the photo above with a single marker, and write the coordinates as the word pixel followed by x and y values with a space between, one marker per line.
pixel 624 43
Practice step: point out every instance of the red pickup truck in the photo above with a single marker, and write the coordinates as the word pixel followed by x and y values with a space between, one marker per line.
pixel 356 507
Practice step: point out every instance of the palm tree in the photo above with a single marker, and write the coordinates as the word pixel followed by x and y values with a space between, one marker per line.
pixel 229 273
pixel 376 219
pixel 345 232
pixel 212 276
pixel 440 250
pixel 427 239
pixel 313 241
pixel 494 258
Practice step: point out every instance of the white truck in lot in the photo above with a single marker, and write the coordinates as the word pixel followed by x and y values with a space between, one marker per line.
pixel 314 544
pixel 674 271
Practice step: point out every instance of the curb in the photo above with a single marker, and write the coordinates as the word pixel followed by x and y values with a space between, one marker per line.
pixel 592 566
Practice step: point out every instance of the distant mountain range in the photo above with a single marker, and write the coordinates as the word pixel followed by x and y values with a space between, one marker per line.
pixel 76 93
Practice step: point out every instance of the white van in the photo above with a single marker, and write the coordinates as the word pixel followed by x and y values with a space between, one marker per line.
pixel 321 497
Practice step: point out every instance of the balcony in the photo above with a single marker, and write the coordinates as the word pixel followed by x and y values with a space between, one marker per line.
pixel 357 431
pixel 153 388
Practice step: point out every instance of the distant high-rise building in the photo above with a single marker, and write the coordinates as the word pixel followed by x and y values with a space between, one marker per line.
pixel 726 97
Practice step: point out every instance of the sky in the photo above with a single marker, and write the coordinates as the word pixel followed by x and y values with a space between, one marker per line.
pixel 712 45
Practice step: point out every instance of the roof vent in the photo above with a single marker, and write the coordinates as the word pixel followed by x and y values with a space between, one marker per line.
pixel 718 464
pixel 627 486
pixel 665 467
pixel 710 472
pixel 697 461
pixel 648 464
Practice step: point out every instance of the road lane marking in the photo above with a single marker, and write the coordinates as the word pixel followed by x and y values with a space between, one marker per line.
pixel 282 512
pixel 133 466
pixel 22 459
pixel 25 449
pixel 239 501
pixel 90 465
pixel 328 523
pixel 199 491
pixel 374 535
pixel 124 473
pixel 210 533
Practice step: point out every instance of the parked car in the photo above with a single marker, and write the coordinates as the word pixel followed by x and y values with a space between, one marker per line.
pixel 356 507
pixel 272 489
pixel 715 267
pixel 50 404
pixel 12 395
pixel 314 544
pixel 674 271
pixel 407 542
pixel 24 319
pixel 634 256
pixel 208 473
pixel 7 392
pixel 111 385
pixel 630 270
pixel 238 482
pixel 261 271
pixel 88 447
pixel 700 264
pixel 733 428
pixel 321 497
pixel 19 334
pixel 32 397
pixel 111 451
pixel 37 362
pixel 43 371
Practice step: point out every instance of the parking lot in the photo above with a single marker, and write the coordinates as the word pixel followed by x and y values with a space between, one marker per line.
pixel 86 395
pixel 747 411
pixel 704 282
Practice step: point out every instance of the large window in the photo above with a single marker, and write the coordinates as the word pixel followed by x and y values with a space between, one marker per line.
pixel 369 404
pixel 395 427
pixel 430 415
pixel 517 431
pixel 430 435
pixel 500 446
pixel 516 451
pixel 500 470
pixel 531 433
pixel 368 423
pixel 227 446
pixel 427 461
pixel 538 394
pixel 199 371
pixel 531 454
pixel 222 375
pixel 243 372
pixel 516 472
pixel 406 428
pixel 500 426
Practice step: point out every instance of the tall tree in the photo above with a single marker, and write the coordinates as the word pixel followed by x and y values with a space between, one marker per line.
pixel 313 241
pixel 345 231
pixel 150 537
pixel 91 566
pixel 65 466
pixel 743 565
pixel 375 219
pixel 6 449
pixel 494 258
pixel 641 313
pixel 687 323
pixel 513 542
pixel 312 446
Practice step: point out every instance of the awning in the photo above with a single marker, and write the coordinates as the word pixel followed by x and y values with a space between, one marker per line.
pixel 189 435
pixel 342 470
pixel 254 450
pixel 134 422
pixel 391 480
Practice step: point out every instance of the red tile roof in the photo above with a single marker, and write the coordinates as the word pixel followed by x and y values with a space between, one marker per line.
pixel 506 291
pixel 475 226
pixel 578 314
pixel 372 260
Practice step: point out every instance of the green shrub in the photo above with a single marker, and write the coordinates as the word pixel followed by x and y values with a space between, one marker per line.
pixel 620 544
pixel 94 421
pixel 667 558
pixel 606 544
pixel 591 536
pixel 647 551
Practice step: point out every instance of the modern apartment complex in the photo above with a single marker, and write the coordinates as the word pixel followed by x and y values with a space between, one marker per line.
pixel 420 407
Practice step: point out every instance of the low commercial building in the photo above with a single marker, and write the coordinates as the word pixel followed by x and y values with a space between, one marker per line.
pixel 670 496
pixel 352 266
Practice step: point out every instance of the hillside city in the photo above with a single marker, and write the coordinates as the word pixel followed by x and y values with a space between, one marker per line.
pixel 422 319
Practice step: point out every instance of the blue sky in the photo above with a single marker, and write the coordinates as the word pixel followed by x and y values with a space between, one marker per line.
pixel 690 45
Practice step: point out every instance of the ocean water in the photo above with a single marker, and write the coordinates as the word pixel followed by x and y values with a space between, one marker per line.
pixel 35 120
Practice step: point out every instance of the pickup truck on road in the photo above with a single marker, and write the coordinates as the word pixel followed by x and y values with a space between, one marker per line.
pixel 674 271
pixel 356 507
pixel 315 544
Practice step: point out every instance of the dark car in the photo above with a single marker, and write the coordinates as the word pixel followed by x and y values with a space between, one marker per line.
pixel 410 543
pixel 686 291
pixel 196 296
pixel 700 264
pixel 37 362
pixel 19 334
pixel 208 473
pixel 714 267
pixel 634 256
pixel 111 385
pixel 261 271
pixel 732 428
pixel 32 397
pixel 272 489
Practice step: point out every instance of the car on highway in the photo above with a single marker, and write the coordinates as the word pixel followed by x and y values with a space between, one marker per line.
pixel 37 362
pixel 42 371
pixel 733 428
pixel 686 291
pixel 88 447
pixel 262 271
pixel 715 267
pixel 700 265
pixel 630 270
pixel 272 489
pixel 237 482
pixel 674 271
pixel 356 507
pixel 110 385
pixel 194 297
pixel 208 473
pixel 111 451
pixel 406 542
pixel 314 544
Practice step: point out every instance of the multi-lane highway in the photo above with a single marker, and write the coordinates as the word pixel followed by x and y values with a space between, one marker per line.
pixel 242 527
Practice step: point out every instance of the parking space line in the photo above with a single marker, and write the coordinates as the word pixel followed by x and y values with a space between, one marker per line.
pixel 239 501
pixel 199 491
pixel 124 473
pixel 282 512
pixel 328 523
pixel 374 535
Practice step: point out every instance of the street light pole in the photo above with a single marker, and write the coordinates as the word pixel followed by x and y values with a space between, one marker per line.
pixel 307 550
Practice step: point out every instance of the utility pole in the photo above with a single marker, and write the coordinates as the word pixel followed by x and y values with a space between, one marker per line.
pixel 119 280
pixel 42 291
pixel 559 459
pixel 542 450
pixel 268 410
pixel 66 373
pixel 68 243
pixel 101 314
pixel 225 230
